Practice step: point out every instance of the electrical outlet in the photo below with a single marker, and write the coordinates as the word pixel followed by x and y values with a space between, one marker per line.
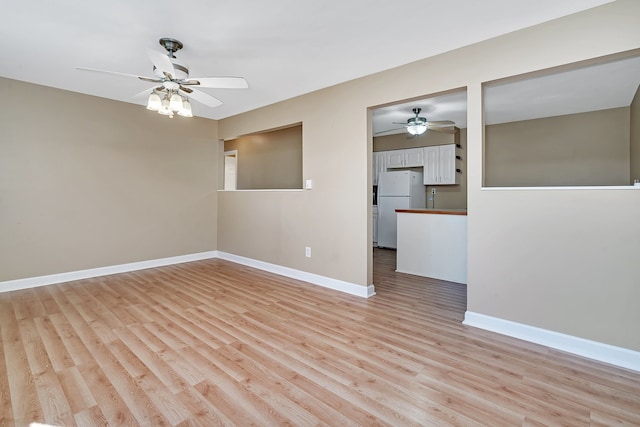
pixel 307 251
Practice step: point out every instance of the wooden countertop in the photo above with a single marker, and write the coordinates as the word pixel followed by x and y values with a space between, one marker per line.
pixel 434 211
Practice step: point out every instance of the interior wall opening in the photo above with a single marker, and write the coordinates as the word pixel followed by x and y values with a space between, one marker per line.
pixel 267 160
pixel 574 126
pixel 419 167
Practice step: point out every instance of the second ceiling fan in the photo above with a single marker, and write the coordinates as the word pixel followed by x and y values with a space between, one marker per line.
pixel 418 125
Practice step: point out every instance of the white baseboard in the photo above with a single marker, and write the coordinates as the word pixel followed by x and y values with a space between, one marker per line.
pixel 33 282
pixel 326 282
pixel 339 285
pixel 613 355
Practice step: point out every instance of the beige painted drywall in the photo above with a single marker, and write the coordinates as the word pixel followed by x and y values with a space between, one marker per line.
pixel 575 149
pixel 327 218
pixel 562 260
pixel 634 137
pixel 401 141
pixel 269 160
pixel 447 196
pixel 87 182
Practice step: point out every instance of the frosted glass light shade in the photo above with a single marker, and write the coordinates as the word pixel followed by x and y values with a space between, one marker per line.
pixel 176 102
pixel 185 111
pixel 165 110
pixel 417 129
pixel 154 103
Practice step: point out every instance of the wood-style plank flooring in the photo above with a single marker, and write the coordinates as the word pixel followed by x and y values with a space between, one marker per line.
pixel 215 343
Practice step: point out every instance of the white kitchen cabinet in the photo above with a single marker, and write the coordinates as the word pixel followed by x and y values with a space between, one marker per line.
pixel 394 158
pixel 378 165
pixel 448 174
pixel 440 165
pixel 413 157
pixel 408 158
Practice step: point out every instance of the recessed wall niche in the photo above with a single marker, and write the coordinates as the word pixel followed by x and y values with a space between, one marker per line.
pixel 578 126
pixel 268 160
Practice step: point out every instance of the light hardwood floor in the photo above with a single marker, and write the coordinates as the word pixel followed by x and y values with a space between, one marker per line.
pixel 215 343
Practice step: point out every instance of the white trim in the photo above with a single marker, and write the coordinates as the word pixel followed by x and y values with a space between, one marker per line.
pixel 326 282
pixel 583 187
pixel 592 349
pixel 33 282
pixel 265 190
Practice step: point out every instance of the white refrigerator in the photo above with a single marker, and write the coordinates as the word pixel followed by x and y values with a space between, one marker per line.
pixel 397 190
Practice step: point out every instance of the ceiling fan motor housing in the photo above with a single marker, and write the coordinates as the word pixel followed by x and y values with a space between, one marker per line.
pixel 181 70
pixel 416 121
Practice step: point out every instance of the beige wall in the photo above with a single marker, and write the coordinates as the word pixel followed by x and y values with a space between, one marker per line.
pixel 447 196
pixel 269 160
pixel 635 136
pixel 547 258
pixel 87 182
pixel 575 149
pixel 401 141
pixel 99 183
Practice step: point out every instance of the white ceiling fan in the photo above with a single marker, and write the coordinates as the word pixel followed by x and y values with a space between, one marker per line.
pixel 418 125
pixel 175 87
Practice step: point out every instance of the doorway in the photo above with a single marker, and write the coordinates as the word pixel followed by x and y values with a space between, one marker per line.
pixel 396 147
pixel 231 170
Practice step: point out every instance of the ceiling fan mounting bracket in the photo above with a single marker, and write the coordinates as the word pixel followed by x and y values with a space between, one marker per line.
pixel 171 45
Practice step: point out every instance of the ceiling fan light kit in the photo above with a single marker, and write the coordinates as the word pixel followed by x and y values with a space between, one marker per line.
pixel 417 125
pixel 175 87
pixel 417 128
pixel 171 103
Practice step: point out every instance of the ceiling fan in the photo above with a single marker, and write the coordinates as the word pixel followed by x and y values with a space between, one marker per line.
pixel 175 87
pixel 418 125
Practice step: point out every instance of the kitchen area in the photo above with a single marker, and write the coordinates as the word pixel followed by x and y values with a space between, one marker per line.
pixel 419 200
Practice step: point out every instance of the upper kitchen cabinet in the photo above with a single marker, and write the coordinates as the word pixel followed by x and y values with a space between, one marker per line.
pixel 408 158
pixel 440 165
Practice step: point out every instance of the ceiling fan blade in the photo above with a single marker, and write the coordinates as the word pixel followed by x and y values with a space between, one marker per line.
pixel 147 92
pixel 441 122
pixel 204 98
pixel 162 63
pixel 142 94
pixel 186 89
pixel 149 79
pixel 388 130
pixel 95 70
pixel 218 82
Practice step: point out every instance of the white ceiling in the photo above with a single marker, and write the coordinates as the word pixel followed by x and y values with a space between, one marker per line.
pixel 283 48
pixel 596 87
